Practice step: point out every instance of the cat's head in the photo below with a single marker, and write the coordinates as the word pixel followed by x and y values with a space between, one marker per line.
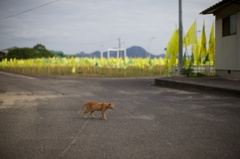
pixel 110 106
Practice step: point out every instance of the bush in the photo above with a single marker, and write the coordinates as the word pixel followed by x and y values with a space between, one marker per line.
pixel 187 71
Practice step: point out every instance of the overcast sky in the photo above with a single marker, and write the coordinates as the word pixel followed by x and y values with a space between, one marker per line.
pixel 89 25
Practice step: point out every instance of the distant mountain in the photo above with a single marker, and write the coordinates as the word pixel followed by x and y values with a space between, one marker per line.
pixel 134 51
pixel 83 54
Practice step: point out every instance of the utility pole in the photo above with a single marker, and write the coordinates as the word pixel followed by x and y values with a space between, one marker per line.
pixel 180 39
pixel 119 47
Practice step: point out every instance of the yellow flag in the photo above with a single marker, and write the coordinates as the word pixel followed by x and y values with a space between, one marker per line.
pixel 194 53
pixel 211 44
pixel 172 49
pixel 190 37
pixel 73 70
pixel 198 54
pixel 202 42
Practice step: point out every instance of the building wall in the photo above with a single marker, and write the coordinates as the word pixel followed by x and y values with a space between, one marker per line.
pixel 238 41
pixel 227 49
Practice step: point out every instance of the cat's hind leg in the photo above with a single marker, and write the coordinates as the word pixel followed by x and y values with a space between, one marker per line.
pixel 92 114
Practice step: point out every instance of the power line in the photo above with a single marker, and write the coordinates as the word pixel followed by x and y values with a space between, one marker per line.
pixel 28 10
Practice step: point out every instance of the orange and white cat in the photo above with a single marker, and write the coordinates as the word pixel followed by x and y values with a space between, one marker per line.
pixel 94 106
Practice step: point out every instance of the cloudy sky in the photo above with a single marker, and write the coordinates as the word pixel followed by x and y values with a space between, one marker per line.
pixel 89 25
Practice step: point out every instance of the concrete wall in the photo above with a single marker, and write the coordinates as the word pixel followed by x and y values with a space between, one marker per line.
pixel 227 49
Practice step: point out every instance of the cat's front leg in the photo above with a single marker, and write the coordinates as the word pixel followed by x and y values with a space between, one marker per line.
pixel 104 115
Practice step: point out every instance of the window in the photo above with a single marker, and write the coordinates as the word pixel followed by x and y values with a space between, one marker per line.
pixel 229 25
pixel 233 24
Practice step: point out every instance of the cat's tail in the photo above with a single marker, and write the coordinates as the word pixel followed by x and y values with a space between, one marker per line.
pixel 82 108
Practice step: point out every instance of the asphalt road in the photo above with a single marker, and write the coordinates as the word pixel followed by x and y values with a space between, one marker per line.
pixel 39 120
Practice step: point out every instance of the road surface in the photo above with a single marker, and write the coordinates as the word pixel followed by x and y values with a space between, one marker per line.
pixel 39 119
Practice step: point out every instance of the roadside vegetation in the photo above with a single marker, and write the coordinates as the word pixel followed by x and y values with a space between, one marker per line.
pixel 40 61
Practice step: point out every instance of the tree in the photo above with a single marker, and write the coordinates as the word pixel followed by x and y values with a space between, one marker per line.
pixel 37 51
pixel 22 53
pixel 57 53
pixel 42 51
pixel 39 48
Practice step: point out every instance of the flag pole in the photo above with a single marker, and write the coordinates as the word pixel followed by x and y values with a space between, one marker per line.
pixel 180 38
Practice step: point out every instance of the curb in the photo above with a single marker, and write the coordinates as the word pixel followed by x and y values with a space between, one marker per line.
pixel 196 87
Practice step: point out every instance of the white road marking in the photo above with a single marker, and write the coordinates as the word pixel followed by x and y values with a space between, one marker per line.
pixel 74 139
pixel 22 76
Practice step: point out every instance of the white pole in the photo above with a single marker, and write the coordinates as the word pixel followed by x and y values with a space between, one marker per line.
pixel 102 47
pixel 119 46
pixel 125 53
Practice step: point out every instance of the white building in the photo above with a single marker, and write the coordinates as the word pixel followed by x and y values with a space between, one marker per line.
pixel 227 17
